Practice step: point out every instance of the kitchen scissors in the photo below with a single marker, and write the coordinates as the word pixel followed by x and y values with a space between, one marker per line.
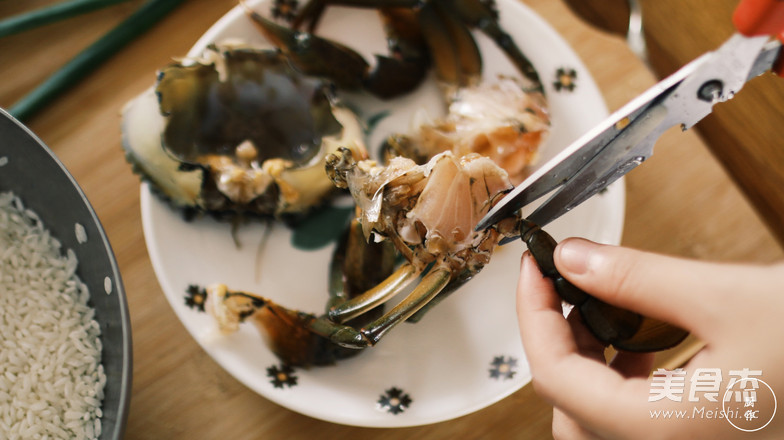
pixel 626 138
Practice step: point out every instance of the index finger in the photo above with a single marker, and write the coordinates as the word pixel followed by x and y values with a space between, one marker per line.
pixel 693 295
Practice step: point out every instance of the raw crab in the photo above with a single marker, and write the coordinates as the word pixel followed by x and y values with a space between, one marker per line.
pixel 425 208
pixel 505 119
pixel 419 33
pixel 237 130
pixel 428 212
pixel 245 130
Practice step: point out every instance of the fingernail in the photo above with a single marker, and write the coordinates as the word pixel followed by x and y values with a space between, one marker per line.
pixel 525 262
pixel 575 254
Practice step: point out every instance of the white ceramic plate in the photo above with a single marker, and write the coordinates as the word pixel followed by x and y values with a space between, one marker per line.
pixel 466 353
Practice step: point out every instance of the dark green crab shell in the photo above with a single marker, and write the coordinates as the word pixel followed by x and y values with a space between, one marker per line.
pixel 233 94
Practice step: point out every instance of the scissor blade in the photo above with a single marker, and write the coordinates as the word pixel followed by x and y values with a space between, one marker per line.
pixel 626 138
pixel 577 155
pixel 765 60
pixel 629 149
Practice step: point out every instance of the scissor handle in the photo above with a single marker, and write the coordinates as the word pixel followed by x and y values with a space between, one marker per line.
pixel 761 17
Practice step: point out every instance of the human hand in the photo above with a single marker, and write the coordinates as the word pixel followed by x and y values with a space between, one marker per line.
pixel 734 309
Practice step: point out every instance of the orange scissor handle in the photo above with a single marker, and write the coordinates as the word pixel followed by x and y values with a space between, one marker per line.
pixel 761 17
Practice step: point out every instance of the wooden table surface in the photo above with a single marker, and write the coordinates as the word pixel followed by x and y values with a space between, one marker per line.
pixel 682 203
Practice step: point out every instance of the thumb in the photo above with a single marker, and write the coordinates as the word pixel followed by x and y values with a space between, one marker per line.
pixel 689 294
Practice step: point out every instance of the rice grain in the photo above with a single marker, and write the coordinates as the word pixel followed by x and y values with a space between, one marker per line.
pixel 51 379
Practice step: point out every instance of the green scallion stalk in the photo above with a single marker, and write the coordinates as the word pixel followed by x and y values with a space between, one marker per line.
pixel 50 14
pixel 91 57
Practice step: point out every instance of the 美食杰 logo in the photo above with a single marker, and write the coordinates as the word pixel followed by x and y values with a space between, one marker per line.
pixel 746 401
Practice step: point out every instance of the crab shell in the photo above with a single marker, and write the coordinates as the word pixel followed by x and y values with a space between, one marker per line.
pixel 238 131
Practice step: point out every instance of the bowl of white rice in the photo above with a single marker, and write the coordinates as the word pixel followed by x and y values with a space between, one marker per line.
pixel 65 334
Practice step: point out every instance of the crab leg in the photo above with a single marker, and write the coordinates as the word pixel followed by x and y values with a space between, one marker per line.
pixel 314 55
pixel 477 13
pixel 321 57
pixel 454 285
pixel 301 338
pixel 358 266
pixel 473 13
pixel 347 336
pixel 375 296
pixel 430 286
pixel 314 9
pixel 455 53
pixel 295 337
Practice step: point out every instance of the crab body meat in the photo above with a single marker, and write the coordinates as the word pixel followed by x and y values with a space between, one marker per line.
pixel 429 211
pixel 497 119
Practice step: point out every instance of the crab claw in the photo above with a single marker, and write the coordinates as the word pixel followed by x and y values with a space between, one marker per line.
pixel 288 333
pixel 611 325
pixel 316 56
pixel 303 339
